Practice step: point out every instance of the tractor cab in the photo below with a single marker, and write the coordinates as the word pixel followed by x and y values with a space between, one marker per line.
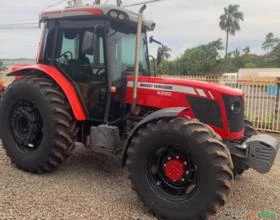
pixel 94 47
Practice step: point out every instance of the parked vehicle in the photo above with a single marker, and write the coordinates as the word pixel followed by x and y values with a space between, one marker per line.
pixel 182 140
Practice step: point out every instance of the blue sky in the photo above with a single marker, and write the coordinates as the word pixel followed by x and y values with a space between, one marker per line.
pixel 181 24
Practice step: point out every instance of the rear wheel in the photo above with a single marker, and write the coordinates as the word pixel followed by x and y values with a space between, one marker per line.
pixel 38 129
pixel 180 169
pixel 239 166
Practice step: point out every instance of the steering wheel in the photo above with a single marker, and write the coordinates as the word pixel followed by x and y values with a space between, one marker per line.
pixel 65 54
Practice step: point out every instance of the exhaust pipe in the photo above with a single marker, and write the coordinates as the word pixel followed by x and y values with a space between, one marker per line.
pixel 137 55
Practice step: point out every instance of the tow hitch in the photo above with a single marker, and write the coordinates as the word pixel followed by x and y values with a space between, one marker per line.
pixel 257 152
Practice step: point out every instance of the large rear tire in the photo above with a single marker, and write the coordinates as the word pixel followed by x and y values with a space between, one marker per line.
pixel 37 126
pixel 180 169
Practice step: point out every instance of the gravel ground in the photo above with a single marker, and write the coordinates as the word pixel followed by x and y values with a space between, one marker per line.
pixel 93 187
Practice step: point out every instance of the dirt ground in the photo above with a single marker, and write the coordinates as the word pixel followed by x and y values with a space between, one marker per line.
pixel 88 186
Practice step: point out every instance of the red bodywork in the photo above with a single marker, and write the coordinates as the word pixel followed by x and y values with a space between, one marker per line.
pixel 70 12
pixel 61 80
pixel 169 92
pixel 153 92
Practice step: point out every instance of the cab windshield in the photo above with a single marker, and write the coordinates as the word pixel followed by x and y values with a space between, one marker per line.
pixel 121 53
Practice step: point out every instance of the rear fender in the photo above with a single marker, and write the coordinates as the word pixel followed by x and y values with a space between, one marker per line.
pixel 62 81
pixel 162 113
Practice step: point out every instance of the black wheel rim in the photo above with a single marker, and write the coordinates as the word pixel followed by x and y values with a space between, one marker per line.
pixel 26 125
pixel 172 173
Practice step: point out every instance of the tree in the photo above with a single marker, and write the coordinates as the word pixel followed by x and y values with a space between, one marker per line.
pixel 202 59
pixel 163 53
pixel 2 67
pixel 246 50
pixel 270 42
pixel 229 22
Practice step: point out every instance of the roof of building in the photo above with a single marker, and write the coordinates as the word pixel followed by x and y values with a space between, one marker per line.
pixel 93 10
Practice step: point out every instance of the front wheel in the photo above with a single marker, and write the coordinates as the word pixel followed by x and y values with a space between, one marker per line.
pixel 179 169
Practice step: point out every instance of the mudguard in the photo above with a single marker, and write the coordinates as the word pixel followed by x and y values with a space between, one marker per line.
pixel 162 113
pixel 64 83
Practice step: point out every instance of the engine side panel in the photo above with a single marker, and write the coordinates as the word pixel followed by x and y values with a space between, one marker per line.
pixel 165 93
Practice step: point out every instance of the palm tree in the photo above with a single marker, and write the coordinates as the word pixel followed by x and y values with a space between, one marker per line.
pixel 163 53
pixel 229 21
pixel 246 50
pixel 270 42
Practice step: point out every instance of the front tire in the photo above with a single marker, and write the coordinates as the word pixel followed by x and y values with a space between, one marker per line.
pixel 180 169
pixel 38 128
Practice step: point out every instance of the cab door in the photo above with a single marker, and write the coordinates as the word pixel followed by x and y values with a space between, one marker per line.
pixel 81 56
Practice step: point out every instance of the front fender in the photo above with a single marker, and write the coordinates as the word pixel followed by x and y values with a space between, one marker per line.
pixel 64 83
pixel 162 113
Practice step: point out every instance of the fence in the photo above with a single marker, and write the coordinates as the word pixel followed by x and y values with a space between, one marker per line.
pixel 262 99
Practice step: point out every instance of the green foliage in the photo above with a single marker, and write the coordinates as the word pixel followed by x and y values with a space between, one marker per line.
pixel 229 21
pixel 272 45
pixel 250 65
pixel 205 59
pixel 195 61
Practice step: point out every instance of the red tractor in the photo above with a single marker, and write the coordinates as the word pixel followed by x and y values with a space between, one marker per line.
pixel 182 140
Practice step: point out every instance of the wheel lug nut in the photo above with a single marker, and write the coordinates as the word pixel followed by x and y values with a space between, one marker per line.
pixel 177 157
pixel 182 179
pixel 185 163
pixel 187 172
pixel 164 165
pixel 169 158
pixel 158 183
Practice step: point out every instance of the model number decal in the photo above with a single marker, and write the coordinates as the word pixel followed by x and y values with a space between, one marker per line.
pixel 164 93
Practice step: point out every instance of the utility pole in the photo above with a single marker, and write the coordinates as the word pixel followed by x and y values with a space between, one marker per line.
pixel 119 2
pixel 78 2
pixel 75 2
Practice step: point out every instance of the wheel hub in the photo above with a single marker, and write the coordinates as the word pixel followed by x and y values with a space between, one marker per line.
pixel 173 173
pixel 26 125
pixel 175 169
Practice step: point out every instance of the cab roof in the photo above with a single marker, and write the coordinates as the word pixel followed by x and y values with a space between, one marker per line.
pixel 94 10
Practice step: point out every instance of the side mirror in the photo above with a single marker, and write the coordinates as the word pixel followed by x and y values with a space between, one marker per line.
pixel 152 40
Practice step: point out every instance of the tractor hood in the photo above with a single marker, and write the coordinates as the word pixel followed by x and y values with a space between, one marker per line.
pixel 190 87
pixel 219 106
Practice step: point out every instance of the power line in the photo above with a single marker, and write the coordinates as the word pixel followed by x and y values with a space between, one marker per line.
pixel 54 4
pixel 19 26
pixel 142 3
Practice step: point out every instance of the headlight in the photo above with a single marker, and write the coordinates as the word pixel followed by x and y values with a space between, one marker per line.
pixel 113 14
pixel 236 107
pixel 121 16
pixel 118 15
